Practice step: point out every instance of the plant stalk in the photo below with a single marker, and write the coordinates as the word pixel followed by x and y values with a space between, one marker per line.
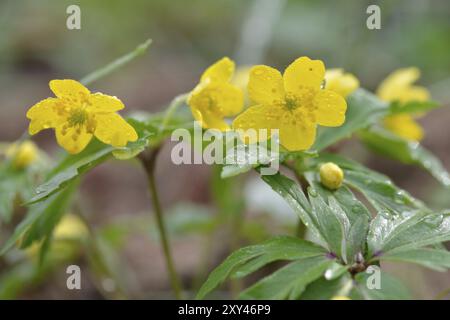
pixel 148 160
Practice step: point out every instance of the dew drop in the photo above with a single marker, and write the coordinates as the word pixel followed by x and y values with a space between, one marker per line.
pixel 312 192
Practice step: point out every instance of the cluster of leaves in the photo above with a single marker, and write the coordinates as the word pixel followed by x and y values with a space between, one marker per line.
pixel 368 220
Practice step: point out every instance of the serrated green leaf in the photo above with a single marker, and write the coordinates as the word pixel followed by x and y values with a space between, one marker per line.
pixel 288 282
pixel 431 258
pixel 323 289
pixel 389 234
pixel 73 166
pixel 388 144
pixel 40 220
pixel 296 199
pixel 335 270
pixel 391 288
pixel 353 216
pixel 379 190
pixel 329 225
pixel 278 248
pixel 363 109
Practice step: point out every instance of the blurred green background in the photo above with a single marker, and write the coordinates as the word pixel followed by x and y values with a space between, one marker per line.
pixel 36 46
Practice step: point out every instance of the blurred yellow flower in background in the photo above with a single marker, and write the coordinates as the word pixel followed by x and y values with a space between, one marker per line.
pixel 398 87
pixel 341 82
pixel 293 102
pixel 215 98
pixel 70 228
pixel 77 115
pixel 340 298
pixel 22 154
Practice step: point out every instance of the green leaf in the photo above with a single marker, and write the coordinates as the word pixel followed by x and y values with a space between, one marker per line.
pixel 353 216
pixel 379 190
pixel 40 220
pixel 389 234
pixel 363 109
pixel 323 289
pixel 390 289
pixel 415 107
pixel 328 223
pixel 296 199
pixel 431 258
pixel 242 158
pixel 290 281
pixel 240 262
pixel 73 166
pixel 388 144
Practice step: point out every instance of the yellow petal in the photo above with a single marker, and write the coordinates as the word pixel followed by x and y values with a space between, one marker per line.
pixel 398 87
pixel 209 120
pixel 215 101
pixel 221 71
pixel 72 139
pixel 295 133
pixel 412 93
pixel 330 108
pixel 112 129
pixel 69 89
pixel 265 85
pixel 45 114
pixel 404 126
pixel 340 82
pixel 302 73
pixel 104 103
pixel 259 117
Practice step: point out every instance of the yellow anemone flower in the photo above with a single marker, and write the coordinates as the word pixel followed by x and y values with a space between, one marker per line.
pixel 22 154
pixel 293 103
pixel 338 81
pixel 215 98
pixel 77 115
pixel 398 87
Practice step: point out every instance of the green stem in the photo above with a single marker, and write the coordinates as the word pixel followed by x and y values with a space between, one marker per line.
pixel 148 160
pixel 116 64
pixel 173 107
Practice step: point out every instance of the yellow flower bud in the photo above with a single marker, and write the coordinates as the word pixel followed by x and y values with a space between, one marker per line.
pixel 70 227
pixel 331 176
pixel 340 298
pixel 22 154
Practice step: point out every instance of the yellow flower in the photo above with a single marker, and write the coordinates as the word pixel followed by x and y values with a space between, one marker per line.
pixel 22 154
pixel 70 227
pixel 77 115
pixel 340 298
pixel 331 175
pixel 293 102
pixel 240 79
pixel 338 81
pixel 215 98
pixel 398 87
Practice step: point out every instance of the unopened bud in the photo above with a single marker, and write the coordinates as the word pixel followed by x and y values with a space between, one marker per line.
pixel 23 154
pixel 331 176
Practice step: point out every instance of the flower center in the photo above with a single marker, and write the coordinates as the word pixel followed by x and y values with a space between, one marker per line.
pixel 78 117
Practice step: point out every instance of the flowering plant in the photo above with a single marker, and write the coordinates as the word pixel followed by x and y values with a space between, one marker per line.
pixel 351 219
